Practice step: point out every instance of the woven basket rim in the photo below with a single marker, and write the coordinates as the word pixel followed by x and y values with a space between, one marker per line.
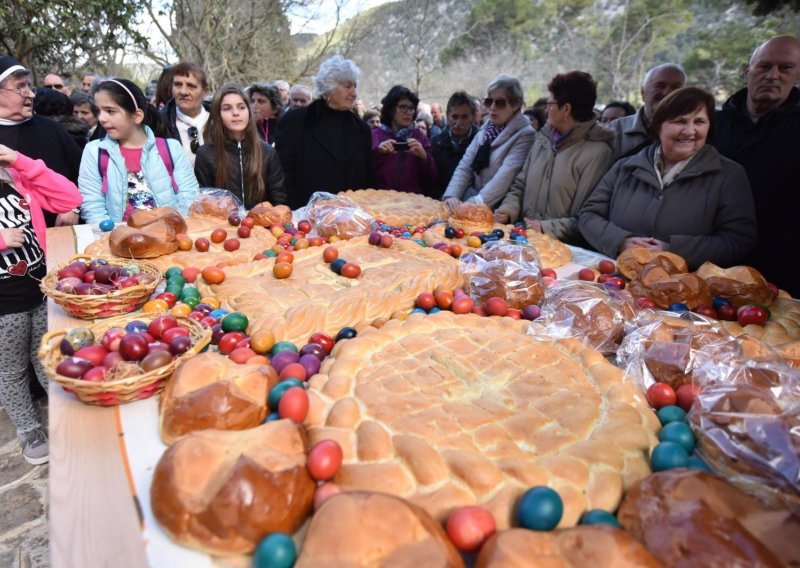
pixel 49 289
pixel 91 392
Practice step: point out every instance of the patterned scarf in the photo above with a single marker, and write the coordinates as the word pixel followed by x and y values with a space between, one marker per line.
pixel 481 160
pixel 402 134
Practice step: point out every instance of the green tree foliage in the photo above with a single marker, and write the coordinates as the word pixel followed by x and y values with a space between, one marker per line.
pixel 66 34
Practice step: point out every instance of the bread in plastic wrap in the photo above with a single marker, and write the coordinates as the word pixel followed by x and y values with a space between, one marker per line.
pixel 331 215
pixel 504 269
pixel 218 203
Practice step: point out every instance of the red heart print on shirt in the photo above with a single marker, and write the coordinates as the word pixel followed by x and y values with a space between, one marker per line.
pixel 24 204
pixel 18 269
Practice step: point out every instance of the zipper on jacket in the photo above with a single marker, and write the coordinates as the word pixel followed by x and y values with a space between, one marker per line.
pixel 241 168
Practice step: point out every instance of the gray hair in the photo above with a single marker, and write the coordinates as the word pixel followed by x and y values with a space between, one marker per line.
pixel 298 87
pixel 427 118
pixel 334 71
pixel 663 67
pixel 510 85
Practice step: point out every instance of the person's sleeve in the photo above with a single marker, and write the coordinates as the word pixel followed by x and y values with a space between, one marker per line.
pixel 566 228
pixel 274 181
pixel 287 142
pixel 463 175
pixel 734 226
pixel 496 188
pixel 512 202
pixel 52 190
pixel 93 208
pixel 593 220
pixel 184 177
pixel 204 169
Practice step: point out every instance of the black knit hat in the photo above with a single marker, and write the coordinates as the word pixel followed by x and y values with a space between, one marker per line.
pixel 9 65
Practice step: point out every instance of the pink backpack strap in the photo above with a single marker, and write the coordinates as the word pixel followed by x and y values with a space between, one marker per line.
pixel 102 166
pixel 166 157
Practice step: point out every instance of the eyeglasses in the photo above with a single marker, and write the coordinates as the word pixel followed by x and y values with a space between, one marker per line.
pixel 500 104
pixel 31 90
pixel 194 144
pixel 57 86
pixel 405 108
pixel 549 103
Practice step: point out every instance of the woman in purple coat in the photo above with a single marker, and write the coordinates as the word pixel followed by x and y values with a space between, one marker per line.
pixel 403 159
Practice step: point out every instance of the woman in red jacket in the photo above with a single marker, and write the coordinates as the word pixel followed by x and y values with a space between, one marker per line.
pixel 26 187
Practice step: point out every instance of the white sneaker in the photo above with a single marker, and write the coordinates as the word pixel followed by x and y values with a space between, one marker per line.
pixel 35 447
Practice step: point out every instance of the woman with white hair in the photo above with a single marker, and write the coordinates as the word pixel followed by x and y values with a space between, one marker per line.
pixel 326 146
pixel 496 154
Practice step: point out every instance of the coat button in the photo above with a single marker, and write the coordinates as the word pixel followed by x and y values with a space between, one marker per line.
pixel 660 196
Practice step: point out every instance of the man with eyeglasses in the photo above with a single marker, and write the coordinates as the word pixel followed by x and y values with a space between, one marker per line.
pixel 186 114
pixel 57 82
pixel 35 136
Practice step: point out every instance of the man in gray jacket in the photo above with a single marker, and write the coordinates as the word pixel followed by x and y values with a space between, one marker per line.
pixel 631 133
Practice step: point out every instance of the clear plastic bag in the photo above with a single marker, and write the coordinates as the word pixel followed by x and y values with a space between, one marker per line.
pixel 594 313
pixel 752 437
pixel 331 215
pixel 667 347
pixel 215 202
pixel 504 269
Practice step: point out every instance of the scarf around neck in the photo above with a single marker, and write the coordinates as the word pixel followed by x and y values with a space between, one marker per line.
pixel 484 153
pixel 402 134
pixel 198 121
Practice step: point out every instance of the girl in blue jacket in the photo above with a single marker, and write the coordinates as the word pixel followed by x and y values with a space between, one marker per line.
pixel 129 168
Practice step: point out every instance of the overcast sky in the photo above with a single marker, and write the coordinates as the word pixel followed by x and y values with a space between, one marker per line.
pixel 322 16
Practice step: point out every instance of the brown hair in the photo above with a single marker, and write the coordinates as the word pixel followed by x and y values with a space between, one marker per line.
pixel 579 90
pixel 215 134
pixel 187 69
pixel 680 102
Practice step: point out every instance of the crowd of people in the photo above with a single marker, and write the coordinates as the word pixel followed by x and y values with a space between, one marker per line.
pixel 678 174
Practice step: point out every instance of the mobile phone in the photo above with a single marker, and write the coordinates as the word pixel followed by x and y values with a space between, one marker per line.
pixel 401 146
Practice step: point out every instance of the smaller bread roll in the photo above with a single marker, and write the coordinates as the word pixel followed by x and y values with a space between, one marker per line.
pixel 338 217
pixel 357 529
pixel 143 217
pixel 472 217
pixel 209 391
pixel 663 288
pixel 598 546
pixel 633 260
pixel 741 285
pixel 265 214
pixel 151 241
pixel 222 492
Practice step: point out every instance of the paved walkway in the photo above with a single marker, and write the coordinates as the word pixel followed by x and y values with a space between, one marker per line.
pixel 23 502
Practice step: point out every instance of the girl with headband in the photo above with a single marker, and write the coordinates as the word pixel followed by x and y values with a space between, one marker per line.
pixel 130 168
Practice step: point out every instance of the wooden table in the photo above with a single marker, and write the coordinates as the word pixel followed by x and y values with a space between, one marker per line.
pixel 93 518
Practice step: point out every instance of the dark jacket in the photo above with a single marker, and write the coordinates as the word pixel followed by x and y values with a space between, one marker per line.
pixel 769 150
pixel 322 149
pixel 448 153
pixel 403 171
pixel 706 213
pixel 205 169
pixel 43 139
pixel 169 116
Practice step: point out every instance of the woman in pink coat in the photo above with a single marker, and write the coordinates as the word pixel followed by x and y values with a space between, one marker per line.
pixel 26 187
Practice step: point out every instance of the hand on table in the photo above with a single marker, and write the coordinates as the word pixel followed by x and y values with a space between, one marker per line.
pixel 649 243
pixel 66 219
pixel 501 217
pixel 14 238
pixel 452 202
pixel 533 224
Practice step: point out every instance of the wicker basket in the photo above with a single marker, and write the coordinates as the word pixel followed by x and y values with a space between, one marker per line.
pixel 119 391
pixel 112 304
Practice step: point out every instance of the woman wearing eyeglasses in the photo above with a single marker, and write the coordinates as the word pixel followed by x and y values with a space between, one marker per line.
pixel 403 159
pixel 570 155
pixel 497 152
